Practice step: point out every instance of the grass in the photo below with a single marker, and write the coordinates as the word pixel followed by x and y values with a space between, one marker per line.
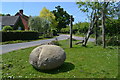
pixel 81 62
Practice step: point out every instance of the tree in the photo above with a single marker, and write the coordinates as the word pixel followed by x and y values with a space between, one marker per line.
pixel 84 6
pixel 38 24
pixel 80 27
pixel 2 14
pixel 112 28
pixel 46 14
pixel 62 17
pixel 107 9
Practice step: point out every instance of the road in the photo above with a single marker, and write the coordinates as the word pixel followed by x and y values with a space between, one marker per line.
pixel 11 47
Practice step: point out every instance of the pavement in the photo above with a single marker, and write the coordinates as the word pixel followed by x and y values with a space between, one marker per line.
pixel 11 47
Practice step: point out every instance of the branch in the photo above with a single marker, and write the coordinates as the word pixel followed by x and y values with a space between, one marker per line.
pixel 79 42
pixel 109 19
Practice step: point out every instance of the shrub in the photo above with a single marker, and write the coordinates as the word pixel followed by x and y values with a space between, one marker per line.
pixel 113 41
pixel 24 35
pixel 54 32
pixel 99 40
pixel 110 41
pixel 48 35
pixel 65 30
pixel 80 27
pixel 7 28
pixel 56 43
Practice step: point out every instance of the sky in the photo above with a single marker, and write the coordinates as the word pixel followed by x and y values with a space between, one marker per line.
pixel 34 8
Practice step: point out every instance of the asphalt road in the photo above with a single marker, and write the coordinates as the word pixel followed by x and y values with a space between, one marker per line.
pixel 11 47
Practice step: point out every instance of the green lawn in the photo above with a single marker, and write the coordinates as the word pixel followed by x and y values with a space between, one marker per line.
pixel 81 62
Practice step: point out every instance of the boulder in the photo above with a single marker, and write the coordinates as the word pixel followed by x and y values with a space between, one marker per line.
pixel 47 57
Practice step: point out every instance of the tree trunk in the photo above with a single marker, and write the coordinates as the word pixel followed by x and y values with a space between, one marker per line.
pixel 89 31
pixel 96 32
pixel 103 29
pixel 71 31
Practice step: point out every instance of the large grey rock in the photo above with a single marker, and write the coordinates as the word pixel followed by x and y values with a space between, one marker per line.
pixel 47 57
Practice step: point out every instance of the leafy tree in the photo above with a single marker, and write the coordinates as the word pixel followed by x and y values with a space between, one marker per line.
pixel 62 17
pixel 46 14
pixel 81 27
pixel 112 27
pixel 65 30
pixel 38 24
pixel 2 14
pixel 96 8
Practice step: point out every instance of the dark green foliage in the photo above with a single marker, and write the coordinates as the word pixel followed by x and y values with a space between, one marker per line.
pixel 112 32
pixel 113 27
pixel 113 41
pixel 54 32
pixel 17 35
pixel 48 35
pixel 62 17
pixel 7 28
pixel 2 14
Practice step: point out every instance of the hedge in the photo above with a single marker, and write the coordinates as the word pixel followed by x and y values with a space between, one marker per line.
pixel 26 35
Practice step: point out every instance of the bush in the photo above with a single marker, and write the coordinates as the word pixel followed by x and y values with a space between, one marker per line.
pixel 7 28
pixel 113 41
pixel 99 40
pixel 24 35
pixel 65 30
pixel 80 27
pixel 55 43
pixel 47 34
pixel 110 41
pixel 54 32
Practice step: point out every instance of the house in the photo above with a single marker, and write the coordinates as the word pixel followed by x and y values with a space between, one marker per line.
pixel 18 22
pixel 24 19
pixel 13 21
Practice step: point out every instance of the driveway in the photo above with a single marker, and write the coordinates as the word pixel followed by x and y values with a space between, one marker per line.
pixel 11 47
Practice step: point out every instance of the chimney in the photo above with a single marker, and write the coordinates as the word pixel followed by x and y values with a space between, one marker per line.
pixel 7 14
pixel 21 11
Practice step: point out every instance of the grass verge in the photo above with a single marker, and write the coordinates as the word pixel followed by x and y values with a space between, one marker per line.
pixel 81 62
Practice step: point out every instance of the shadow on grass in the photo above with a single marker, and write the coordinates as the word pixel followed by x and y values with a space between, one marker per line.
pixel 65 67
pixel 80 46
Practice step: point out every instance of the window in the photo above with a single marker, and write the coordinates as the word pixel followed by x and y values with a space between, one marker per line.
pixel 19 28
